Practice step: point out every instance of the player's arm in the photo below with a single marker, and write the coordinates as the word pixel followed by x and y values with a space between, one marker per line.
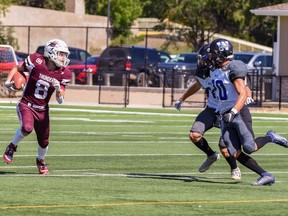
pixel 13 71
pixel 190 91
pixel 8 83
pixel 242 93
pixel 242 96
pixel 59 91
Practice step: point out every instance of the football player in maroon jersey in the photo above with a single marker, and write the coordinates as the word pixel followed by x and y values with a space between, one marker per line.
pixel 47 74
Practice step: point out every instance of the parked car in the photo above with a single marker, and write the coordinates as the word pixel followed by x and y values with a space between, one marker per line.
pixel 76 56
pixel 182 66
pixel 21 56
pixel 140 62
pixel 256 60
pixel 164 56
pixel 81 70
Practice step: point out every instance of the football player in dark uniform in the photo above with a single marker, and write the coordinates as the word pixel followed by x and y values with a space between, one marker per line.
pixel 207 118
pixel 228 86
pixel 47 74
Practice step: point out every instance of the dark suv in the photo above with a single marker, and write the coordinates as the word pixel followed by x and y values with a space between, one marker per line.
pixel 76 56
pixel 180 71
pixel 136 61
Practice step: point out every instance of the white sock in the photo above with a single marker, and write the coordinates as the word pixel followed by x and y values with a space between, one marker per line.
pixel 42 152
pixel 18 137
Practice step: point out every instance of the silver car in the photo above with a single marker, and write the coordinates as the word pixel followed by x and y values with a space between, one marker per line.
pixel 256 61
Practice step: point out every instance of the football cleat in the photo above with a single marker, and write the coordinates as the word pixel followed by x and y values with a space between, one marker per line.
pixel 236 173
pixel 8 154
pixel 209 161
pixel 42 167
pixel 264 180
pixel 278 139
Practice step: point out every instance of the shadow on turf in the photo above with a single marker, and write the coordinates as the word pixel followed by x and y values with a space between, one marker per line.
pixel 6 173
pixel 179 178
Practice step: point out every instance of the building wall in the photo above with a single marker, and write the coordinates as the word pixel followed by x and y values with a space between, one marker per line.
pixel 46 22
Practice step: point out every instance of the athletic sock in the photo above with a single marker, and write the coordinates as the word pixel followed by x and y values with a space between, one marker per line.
pixel 204 146
pixel 250 163
pixel 261 141
pixel 18 137
pixel 42 152
pixel 231 161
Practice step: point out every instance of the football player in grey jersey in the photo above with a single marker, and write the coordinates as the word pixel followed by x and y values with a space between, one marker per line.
pixel 228 87
pixel 207 118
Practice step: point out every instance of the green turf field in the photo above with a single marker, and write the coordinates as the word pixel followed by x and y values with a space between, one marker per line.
pixel 116 161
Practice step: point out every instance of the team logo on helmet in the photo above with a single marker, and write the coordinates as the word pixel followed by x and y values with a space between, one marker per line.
pixel 223 45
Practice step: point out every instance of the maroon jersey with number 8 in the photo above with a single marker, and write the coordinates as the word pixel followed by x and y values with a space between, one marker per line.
pixel 39 88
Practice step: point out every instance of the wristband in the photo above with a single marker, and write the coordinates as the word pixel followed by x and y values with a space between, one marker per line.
pixel 234 110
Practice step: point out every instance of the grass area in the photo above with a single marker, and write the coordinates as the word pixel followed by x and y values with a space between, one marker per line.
pixel 116 161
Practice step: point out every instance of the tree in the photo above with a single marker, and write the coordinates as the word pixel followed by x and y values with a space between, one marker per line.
pixel 122 14
pixel 6 33
pixel 215 16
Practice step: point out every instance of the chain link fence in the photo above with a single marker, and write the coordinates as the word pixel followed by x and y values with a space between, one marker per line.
pixel 95 39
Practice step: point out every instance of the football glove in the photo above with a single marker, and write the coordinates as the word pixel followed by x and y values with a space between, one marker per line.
pixel 229 116
pixel 249 100
pixel 178 104
pixel 56 85
pixel 10 86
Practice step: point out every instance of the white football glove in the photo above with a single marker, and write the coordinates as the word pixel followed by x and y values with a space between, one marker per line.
pixel 178 104
pixel 10 86
pixel 56 85
pixel 249 100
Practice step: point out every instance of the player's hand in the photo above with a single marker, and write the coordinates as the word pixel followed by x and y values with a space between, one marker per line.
pixel 10 86
pixel 228 117
pixel 178 104
pixel 56 85
pixel 249 100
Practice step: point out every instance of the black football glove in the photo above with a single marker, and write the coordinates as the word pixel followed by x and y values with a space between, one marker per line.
pixel 229 116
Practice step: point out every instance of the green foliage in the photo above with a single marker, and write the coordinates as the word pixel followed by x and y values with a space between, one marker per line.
pixel 123 40
pixel 122 14
pixel 6 34
pixel 204 18
pixel 4 4
pixel 6 37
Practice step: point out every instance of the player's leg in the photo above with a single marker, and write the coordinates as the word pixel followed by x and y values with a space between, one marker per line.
pixel 42 129
pixel 231 160
pixel 245 130
pixel 265 178
pixel 204 122
pixel 26 119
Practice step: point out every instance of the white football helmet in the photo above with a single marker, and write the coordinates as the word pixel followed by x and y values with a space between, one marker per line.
pixel 52 49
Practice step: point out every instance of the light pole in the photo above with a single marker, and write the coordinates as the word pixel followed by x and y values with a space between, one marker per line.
pixel 108 25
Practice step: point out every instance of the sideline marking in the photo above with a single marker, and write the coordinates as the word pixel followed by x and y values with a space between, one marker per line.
pixel 146 113
pixel 145 203
pixel 136 155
